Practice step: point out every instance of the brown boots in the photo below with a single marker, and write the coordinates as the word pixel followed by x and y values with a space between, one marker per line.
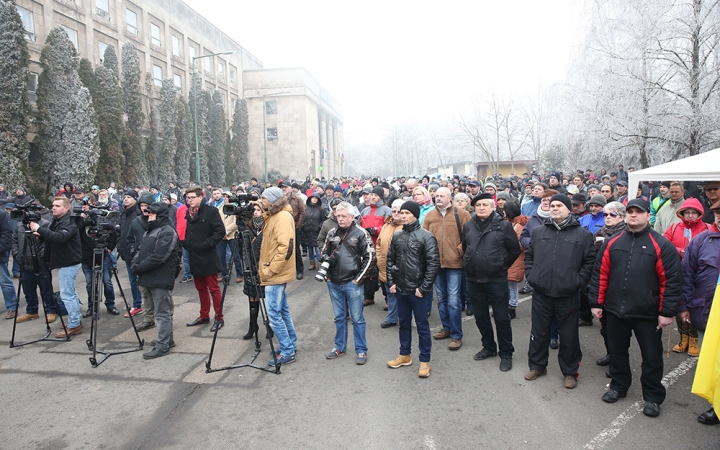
pixel 683 345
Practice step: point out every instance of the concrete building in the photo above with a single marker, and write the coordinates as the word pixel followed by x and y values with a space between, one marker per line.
pixel 296 127
pixel 166 33
pixel 506 168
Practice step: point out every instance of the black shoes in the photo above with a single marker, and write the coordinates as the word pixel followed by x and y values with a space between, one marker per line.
pixel 88 313
pixel 299 276
pixel 145 326
pixel 554 344
pixel 217 325
pixel 113 310
pixel 709 417
pixel 651 409
pixel 505 364
pixel 604 361
pixel 198 321
pixel 484 353
pixel 387 324
pixel 612 396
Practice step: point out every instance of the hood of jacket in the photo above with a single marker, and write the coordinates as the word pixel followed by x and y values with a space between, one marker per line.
pixel 315 195
pixel 691 203
pixel 276 207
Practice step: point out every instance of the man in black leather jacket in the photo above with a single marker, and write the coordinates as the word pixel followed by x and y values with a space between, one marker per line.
pixel 351 254
pixel 413 261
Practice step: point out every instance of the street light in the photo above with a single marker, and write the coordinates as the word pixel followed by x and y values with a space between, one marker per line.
pixel 197 139
pixel 265 130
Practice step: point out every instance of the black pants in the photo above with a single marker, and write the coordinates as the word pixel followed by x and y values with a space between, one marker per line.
pixel 371 285
pixel 585 313
pixel 483 296
pixel 650 341
pixel 565 311
pixel 299 267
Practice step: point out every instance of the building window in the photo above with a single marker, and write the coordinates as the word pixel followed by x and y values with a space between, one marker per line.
pixel 28 22
pixel 232 77
pixel 271 107
pixel 155 34
pixel 234 103
pixel 72 34
pixel 221 71
pixel 131 19
pixel 178 81
pixel 102 8
pixel 102 46
pixel 272 134
pixel 176 46
pixel 32 86
pixel 157 75
pixel 193 54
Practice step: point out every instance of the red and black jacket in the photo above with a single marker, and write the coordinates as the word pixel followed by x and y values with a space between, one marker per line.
pixel 637 275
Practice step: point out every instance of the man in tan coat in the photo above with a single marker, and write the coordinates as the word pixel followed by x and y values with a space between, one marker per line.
pixel 446 222
pixel 382 246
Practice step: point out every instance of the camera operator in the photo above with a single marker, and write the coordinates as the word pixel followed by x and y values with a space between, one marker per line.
pixel 155 263
pixel 349 256
pixel 8 287
pixel 30 281
pixel 64 253
pixel 129 212
pixel 89 224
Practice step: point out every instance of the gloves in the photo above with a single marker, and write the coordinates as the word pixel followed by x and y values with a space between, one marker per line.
pixel 372 231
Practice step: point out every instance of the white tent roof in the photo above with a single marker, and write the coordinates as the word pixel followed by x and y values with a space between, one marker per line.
pixel 702 167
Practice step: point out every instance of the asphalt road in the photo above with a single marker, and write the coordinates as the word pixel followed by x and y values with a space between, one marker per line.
pixel 51 396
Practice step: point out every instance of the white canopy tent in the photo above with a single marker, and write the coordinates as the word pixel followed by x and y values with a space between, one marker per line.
pixel 702 167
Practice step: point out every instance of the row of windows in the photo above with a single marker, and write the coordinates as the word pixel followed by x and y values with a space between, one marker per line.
pixel 132 28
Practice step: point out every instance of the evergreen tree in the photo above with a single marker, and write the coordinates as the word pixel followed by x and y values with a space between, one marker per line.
pixel 134 165
pixel 216 146
pixel 14 105
pixel 198 113
pixel 87 75
pixel 151 144
pixel 108 108
pixel 168 116
pixel 110 60
pixel 240 131
pixel 68 136
pixel 183 132
pixel 229 172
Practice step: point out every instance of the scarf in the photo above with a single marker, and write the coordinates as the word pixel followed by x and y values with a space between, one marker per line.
pixel 544 215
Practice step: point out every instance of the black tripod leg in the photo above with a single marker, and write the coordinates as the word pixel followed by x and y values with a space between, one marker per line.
pixel 226 282
pixel 141 342
pixel 17 307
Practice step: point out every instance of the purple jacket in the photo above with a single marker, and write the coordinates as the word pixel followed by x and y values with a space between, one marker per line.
pixel 701 269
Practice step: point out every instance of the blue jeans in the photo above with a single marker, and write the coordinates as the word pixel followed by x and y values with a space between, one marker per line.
pixel 344 296
pixel 392 316
pixel 137 296
pixel 408 306
pixel 30 283
pixel 186 262
pixel 313 254
pixel 513 288
pixel 108 290
pixel 280 320
pixel 225 249
pixel 8 288
pixel 447 287
pixel 428 302
pixel 67 276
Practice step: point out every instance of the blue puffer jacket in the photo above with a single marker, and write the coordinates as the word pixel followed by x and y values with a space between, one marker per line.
pixel 701 268
pixel 592 223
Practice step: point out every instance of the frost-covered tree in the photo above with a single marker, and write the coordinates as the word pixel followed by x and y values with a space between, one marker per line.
pixel 68 136
pixel 229 177
pixel 167 118
pixel 87 74
pixel 240 128
pixel 183 131
pixel 151 143
pixel 109 112
pixel 198 113
pixel 14 105
pixel 110 60
pixel 134 170
pixel 216 146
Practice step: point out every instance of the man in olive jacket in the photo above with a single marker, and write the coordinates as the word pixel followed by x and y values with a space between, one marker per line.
pixel 205 230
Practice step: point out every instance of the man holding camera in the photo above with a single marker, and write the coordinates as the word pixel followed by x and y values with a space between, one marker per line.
pixel 64 253
pixel 348 257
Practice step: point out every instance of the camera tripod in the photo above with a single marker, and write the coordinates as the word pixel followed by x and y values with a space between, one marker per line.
pixel 96 293
pixel 40 271
pixel 243 241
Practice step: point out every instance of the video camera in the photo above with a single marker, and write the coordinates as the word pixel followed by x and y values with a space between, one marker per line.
pixel 241 205
pixel 95 212
pixel 29 212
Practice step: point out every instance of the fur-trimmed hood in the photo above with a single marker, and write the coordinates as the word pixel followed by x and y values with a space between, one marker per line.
pixel 276 207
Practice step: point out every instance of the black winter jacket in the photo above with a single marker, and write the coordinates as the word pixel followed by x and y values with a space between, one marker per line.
pixel 559 261
pixel 6 234
pixel 637 275
pixel 204 233
pixel 489 250
pixel 413 259
pixel 351 261
pixel 18 246
pixel 314 218
pixel 156 260
pixel 126 217
pixel 63 237
pixel 138 227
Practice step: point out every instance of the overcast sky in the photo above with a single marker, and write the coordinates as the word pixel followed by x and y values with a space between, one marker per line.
pixel 391 61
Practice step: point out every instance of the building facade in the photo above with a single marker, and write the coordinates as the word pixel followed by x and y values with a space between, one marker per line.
pixel 167 34
pixel 296 127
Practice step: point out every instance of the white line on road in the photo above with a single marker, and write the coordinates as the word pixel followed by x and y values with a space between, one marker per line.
pixel 608 434
pixel 430 442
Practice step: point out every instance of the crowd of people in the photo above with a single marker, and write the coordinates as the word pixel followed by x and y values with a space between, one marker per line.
pixel 584 249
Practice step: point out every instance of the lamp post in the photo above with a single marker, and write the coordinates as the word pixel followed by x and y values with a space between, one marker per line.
pixel 197 139
pixel 265 177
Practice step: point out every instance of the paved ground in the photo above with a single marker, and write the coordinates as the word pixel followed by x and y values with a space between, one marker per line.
pixel 51 397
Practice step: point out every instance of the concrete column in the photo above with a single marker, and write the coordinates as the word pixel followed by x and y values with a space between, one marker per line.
pixel 336 146
pixel 323 145
pixel 331 150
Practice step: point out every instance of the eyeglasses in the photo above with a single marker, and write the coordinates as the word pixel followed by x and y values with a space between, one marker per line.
pixel 711 189
pixel 611 214
pixel 191 197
